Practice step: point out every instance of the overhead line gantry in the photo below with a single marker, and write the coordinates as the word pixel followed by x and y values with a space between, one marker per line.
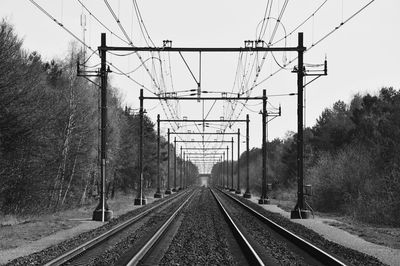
pixel 102 211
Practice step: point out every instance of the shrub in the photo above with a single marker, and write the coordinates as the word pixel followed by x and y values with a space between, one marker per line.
pixel 338 179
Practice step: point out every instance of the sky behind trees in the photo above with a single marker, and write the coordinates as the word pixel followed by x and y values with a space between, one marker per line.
pixel 362 55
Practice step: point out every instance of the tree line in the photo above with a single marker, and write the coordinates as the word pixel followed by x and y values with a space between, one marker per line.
pixel 49 140
pixel 49 134
pixel 352 160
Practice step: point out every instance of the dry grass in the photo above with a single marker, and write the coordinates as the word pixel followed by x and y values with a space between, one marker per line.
pixel 386 236
pixel 16 231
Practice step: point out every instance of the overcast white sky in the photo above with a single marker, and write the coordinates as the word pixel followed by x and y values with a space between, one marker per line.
pixel 362 55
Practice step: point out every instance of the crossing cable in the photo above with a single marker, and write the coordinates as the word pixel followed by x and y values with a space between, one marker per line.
pixel 84 44
pixel 341 24
pixel 265 21
pixel 168 66
pixel 118 22
pixel 146 36
pixel 141 22
pixel 172 83
pixel 259 67
pixel 302 23
pixel 138 67
pixel 240 56
pixel 278 22
pixel 243 81
pixel 241 77
pixel 131 43
pixel 136 53
pixel 318 42
pixel 258 70
pixel 101 23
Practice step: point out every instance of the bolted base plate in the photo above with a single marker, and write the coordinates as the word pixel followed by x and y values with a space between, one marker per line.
pixel 238 192
pixel 158 195
pixel 300 214
pixel 232 189
pixel 140 201
pixel 174 190
pixel 97 215
pixel 264 201
pixel 168 192
pixel 247 195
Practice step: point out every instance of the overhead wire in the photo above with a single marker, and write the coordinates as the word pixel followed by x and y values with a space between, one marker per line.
pixel 101 23
pixel 136 68
pixel 118 22
pixel 265 20
pixel 139 16
pixel 302 23
pixel 278 22
pixel 259 67
pixel 341 24
pixel 143 29
pixel 84 44
pixel 146 36
pixel 130 42
pixel 319 41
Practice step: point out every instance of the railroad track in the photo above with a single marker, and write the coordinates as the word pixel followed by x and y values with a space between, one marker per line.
pixel 86 253
pixel 149 254
pixel 152 252
pixel 263 227
pixel 251 255
pixel 200 226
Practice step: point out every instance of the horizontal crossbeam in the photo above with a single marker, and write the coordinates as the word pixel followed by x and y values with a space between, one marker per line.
pixel 202 49
pixel 201 133
pixel 199 120
pixel 202 98
pixel 203 141
pixel 203 149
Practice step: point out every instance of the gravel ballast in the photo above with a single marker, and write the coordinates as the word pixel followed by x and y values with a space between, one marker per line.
pixel 271 243
pixel 46 255
pixel 349 256
pixel 202 238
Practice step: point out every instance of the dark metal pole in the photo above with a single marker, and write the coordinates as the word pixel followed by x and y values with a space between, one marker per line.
pixel 168 191
pixel 232 189
pixel 184 169
pixel 188 171
pixel 264 197
pixel 238 164
pixel 220 173
pixel 222 170
pixel 227 167
pixel 247 194
pixel 158 192
pixel 181 164
pixel 102 211
pixel 140 199
pixel 299 210
pixel 174 189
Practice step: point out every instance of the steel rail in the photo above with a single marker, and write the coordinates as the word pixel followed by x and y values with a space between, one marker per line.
pixel 250 253
pixel 103 237
pixel 135 260
pixel 311 249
